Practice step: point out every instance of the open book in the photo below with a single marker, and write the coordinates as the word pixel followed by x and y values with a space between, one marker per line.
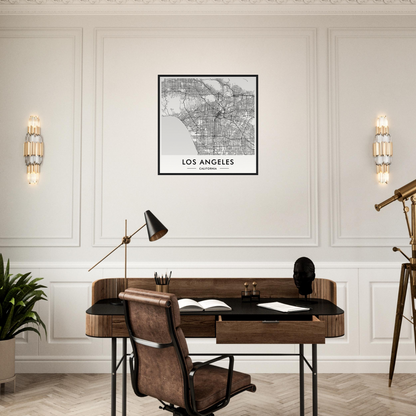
pixel 282 307
pixel 190 305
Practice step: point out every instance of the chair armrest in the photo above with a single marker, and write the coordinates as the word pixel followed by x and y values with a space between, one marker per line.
pixel 198 366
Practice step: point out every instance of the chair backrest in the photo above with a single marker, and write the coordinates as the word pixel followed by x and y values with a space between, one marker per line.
pixel 159 345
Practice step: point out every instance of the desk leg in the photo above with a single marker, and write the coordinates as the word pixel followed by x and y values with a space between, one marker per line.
pixel 124 377
pixel 315 379
pixel 113 375
pixel 301 381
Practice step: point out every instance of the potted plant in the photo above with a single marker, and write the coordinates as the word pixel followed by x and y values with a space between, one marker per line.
pixel 18 296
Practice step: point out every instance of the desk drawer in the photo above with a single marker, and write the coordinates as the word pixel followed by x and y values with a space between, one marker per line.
pixel 281 332
pixel 198 326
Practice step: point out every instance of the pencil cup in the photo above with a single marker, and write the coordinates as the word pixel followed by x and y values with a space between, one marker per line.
pixel 162 288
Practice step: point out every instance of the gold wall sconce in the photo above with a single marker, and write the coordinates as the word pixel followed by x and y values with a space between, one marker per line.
pixel 33 150
pixel 382 149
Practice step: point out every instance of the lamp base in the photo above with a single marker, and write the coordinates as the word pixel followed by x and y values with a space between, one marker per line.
pixel 115 301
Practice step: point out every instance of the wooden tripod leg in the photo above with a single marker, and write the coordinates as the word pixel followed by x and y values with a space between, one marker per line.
pixel 404 278
pixel 413 292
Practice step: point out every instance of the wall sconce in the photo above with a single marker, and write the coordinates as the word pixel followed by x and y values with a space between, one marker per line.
pixel 33 150
pixel 382 149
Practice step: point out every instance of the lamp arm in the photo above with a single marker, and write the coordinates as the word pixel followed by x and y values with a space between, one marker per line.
pixel 123 242
pixel 137 231
pixel 112 251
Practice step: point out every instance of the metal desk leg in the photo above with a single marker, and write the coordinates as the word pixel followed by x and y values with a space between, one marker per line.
pixel 113 375
pixel 124 385
pixel 315 379
pixel 301 381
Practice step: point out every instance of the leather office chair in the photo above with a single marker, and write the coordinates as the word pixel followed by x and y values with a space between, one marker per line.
pixel 160 365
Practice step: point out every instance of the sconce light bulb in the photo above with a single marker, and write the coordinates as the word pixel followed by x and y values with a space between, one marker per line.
pixel 33 178
pixel 383 177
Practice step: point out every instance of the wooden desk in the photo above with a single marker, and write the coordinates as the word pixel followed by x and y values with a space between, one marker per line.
pixel 243 325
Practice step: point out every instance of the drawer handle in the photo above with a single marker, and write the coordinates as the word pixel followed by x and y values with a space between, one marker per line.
pixel 270 322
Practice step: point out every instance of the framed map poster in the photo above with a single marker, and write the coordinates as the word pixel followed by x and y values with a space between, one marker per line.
pixel 208 125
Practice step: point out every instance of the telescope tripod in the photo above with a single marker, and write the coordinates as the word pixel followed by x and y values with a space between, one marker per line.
pixel 405 275
pixel 408 272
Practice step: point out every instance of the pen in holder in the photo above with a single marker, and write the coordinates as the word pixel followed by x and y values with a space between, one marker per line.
pixel 162 283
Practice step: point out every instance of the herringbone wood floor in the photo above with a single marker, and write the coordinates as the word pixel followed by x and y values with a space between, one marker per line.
pixel 277 394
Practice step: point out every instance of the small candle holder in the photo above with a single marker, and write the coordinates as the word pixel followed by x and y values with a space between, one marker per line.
pixel 255 296
pixel 246 294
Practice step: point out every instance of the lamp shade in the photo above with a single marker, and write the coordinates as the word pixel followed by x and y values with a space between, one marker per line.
pixel 155 228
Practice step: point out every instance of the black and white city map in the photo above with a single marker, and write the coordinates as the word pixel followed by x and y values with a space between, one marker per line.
pixel 208 124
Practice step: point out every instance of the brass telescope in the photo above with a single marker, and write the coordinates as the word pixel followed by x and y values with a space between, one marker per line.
pixel 400 194
pixel 408 270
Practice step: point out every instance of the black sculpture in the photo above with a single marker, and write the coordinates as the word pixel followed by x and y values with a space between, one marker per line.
pixel 304 275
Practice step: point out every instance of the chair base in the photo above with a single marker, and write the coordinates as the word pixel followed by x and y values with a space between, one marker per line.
pixel 177 411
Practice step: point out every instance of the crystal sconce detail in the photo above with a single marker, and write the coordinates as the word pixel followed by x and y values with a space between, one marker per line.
pixel 33 150
pixel 382 149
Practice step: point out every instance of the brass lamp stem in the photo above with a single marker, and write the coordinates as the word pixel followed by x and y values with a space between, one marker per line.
pixel 126 240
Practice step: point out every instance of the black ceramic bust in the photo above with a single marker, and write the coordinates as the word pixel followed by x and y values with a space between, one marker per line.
pixel 304 275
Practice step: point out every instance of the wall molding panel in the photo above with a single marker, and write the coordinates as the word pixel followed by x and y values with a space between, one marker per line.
pixel 64 230
pixel 341 43
pixel 305 40
pixel 326 70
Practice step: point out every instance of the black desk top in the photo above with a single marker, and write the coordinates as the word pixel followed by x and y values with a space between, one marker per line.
pixel 239 308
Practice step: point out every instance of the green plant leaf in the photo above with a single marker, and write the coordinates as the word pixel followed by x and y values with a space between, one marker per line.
pixel 14 291
pixel 1 270
pixel 41 323
pixel 23 279
pixel 6 273
pixel 3 334
pixel 18 296
pixel 27 328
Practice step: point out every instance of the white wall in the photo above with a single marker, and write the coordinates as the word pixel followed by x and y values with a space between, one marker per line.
pixel 92 79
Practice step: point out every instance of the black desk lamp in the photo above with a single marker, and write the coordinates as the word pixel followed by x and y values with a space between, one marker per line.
pixel 155 230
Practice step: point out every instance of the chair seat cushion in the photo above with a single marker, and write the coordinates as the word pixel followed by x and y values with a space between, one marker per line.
pixel 211 385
